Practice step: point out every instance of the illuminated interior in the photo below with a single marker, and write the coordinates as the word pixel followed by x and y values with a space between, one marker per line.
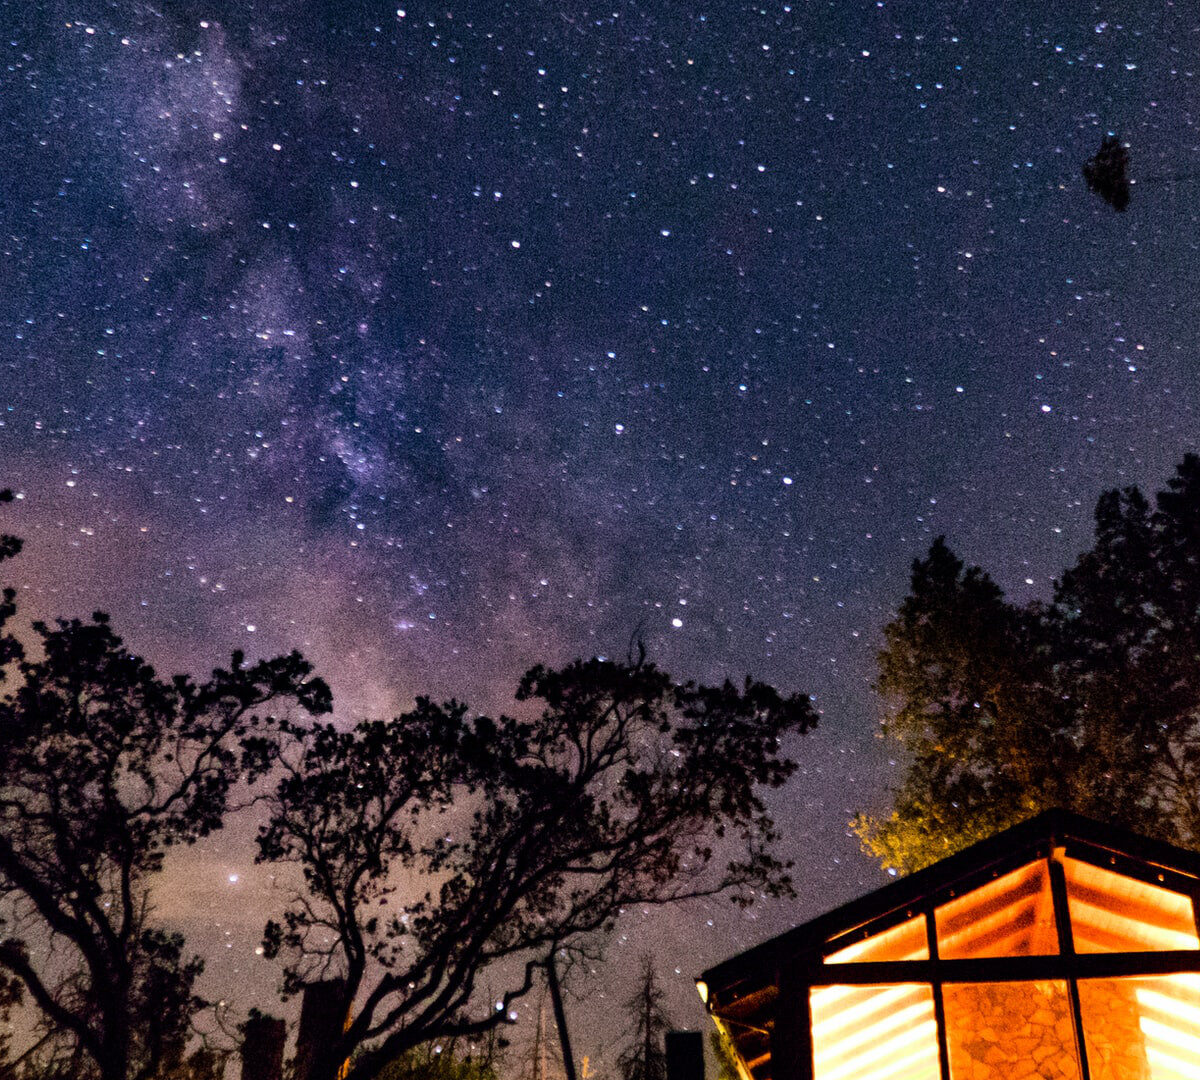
pixel 1136 1028
pixel 907 941
pixel 1142 1027
pixel 1114 913
pixel 874 1033
pixel 1010 1029
pixel 1010 916
pixel 986 982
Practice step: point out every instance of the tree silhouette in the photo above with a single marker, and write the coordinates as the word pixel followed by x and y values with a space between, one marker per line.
pixel 1091 702
pixel 645 1058
pixel 104 766
pixel 513 838
pixel 1107 173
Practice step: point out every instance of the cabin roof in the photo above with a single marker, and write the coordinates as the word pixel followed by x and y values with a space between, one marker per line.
pixel 755 971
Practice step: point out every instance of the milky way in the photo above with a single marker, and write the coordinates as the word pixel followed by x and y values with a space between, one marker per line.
pixel 444 340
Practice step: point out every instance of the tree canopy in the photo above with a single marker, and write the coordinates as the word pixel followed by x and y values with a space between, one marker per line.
pixel 434 847
pixel 1090 701
pixel 104 766
pixel 514 838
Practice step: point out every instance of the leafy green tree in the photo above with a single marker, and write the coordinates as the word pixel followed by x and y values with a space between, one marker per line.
pixel 1090 702
pixel 104 766
pixel 514 838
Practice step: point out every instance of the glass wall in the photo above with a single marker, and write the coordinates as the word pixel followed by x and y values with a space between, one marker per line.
pixel 1114 913
pixel 1010 916
pixel 908 941
pixel 1135 1027
pixel 1142 1027
pixel 1008 1030
pixel 874 1033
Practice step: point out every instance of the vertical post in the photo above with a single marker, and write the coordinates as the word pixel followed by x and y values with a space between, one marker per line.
pixel 262 1047
pixel 685 1055
pixel 939 1004
pixel 1066 946
pixel 323 1014
pixel 791 1036
pixel 560 1016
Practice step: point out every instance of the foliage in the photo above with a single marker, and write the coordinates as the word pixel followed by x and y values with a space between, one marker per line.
pixel 1090 702
pixel 514 837
pixel 104 766
pixel 54 1058
pixel 437 1061
pixel 10 997
pixel 202 1063
pixel 645 1058
pixel 725 1056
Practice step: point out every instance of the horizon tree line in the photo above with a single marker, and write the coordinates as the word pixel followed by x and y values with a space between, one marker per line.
pixel 614 785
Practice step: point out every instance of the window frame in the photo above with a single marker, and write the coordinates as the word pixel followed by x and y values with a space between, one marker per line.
pixel 1066 965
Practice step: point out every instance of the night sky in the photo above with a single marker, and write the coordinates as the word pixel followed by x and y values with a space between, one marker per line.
pixel 440 341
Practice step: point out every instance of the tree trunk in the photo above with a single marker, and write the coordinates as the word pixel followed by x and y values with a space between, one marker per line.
pixel 560 1018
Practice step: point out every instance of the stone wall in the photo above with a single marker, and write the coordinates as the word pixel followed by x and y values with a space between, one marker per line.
pixel 1023 1031
pixel 1010 1031
pixel 1115 1044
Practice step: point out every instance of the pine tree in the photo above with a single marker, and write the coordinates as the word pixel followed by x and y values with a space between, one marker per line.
pixel 646 1058
pixel 1090 702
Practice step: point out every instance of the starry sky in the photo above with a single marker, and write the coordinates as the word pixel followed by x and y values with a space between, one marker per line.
pixel 442 340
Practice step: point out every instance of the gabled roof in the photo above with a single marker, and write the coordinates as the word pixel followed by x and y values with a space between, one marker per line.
pixel 753 973
pixel 1057 901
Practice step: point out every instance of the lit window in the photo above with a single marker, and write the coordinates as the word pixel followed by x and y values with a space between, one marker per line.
pixel 1145 1027
pixel 1010 1029
pixel 1114 913
pixel 1010 916
pixel 874 1033
pixel 904 942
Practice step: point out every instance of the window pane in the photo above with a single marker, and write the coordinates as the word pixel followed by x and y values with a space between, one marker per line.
pixel 874 1033
pixel 904 942
pixel 1011 916
pixel 996 1031
pixel 1142 1028
pixel 1114 913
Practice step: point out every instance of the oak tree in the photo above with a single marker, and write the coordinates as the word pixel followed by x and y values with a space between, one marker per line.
pixel 441 845
pixel 104 767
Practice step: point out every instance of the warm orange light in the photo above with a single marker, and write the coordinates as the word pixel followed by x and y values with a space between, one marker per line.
pixel 888 1059
pixel 1114 913
pixel 1011 1029
pixel 874 1033
pixel 1161 1036
pixel 1146 1027
pixel 904 942
pixel 1010 916
pixel 1164 1066
pixel 1135 1027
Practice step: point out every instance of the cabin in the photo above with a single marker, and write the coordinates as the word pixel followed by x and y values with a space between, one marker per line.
pixel 1061 949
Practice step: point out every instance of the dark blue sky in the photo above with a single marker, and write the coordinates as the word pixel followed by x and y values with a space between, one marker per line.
pixel 441 341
